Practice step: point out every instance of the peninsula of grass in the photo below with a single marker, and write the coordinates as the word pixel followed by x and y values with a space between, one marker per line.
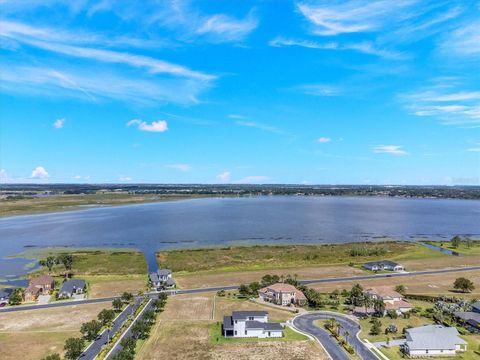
pixel 262 257
pixel 58 203
pixel 216 336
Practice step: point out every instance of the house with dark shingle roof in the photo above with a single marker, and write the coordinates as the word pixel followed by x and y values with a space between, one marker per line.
pixel 471 318
pixel 433 340
pixel 250 324
pixel 383 265
pixel 72 287
pixel 5 294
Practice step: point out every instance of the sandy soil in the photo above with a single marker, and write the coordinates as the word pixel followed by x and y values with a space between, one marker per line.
pixel 189 307
pixel 116 287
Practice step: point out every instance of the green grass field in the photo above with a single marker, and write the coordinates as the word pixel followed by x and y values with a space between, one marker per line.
pixel 286 256
pixel 472 248
pixel 216 336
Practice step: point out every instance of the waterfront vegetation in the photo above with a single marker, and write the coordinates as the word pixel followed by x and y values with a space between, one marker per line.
pixel 464 246
pixel 259 257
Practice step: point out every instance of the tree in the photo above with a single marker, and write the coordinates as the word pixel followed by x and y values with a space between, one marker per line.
pixel 140 330
pixel 149 316
pixel 244 290
pixel 123 355
pixel 129 344
pixel 73 348
pixel 254 287
pixel 49 262
pixel 117 304
pixel 221 293
pixel 106 316
pixel 52 357
pixel 367 303
pixel 91 329
pixel 67 261
pixel 356 295
pixel 455 241
pixel 379 307
pixel 16 297
pixel 127 297
pixel 463 284
pixel 376 328
pixel 400 289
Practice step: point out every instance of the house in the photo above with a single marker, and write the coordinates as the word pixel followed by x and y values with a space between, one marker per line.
pixel 72 287
pixel 41 285
pixel 383 265
pixel 31 293
pixel 433 340
pixel 5 295
pixel 471 318
pixel 282 294
pixel 250 324
pixel 392 299
pixel 162 278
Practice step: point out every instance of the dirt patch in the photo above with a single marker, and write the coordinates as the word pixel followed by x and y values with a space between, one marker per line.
pixel 226 306
pixel 189 307
pixel 115 287
pixel 441 262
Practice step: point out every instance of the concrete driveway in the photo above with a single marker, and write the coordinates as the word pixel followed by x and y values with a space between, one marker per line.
pixel 305 323
pixel 43 299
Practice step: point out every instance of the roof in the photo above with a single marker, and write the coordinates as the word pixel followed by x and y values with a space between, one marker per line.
pixel 262 325
pixel 476 306
pixel 468 315
pixel 398 305
pixel 283 288
pixel 42 280
pixel 32 289
pixel 382 262
pixel 5 292
pixel 70 285
pixel 164 272
pixel 227 323
pixel 170 282
pixel 236 315
pixel 383 292
pixel 434 337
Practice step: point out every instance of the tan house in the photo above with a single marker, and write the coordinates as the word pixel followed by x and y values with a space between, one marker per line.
pixel 282 294
pixel 392 299
pixel 43 284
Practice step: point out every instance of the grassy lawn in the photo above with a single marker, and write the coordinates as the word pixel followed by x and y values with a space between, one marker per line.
pixel 216 336
pixel 285 256
pixel 400 323
pixel 76 202
pixel 463 248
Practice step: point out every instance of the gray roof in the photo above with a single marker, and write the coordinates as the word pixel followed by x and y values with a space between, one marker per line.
pixel 262 325
pixel 164 272
pixel 170 282
pixel 70 285
pixel 468 315
pixel 273 326
pixel 5 293
pixel 383 262
pixel 476 306
pixel 153 277
pixel 433 337
pixel 227 323
pixel 236 315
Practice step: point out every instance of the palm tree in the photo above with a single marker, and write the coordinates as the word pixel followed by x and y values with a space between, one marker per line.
pixel 379 306
pixel 367 303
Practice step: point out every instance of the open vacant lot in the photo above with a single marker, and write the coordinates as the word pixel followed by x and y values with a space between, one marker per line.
pixel 183 332
pixel 42 331
pixel 284 256
pixel 438 284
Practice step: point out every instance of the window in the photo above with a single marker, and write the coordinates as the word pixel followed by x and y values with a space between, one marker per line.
pixel 245 332
pixel 235 332
pixel 235 321
pixel 250 318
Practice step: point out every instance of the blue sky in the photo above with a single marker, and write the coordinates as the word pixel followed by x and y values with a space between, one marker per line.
pixel 314 92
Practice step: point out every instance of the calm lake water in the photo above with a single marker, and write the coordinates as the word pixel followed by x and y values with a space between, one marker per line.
pixel 239 221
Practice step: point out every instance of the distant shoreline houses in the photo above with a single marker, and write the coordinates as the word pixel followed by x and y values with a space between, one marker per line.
pixel 242 324
pixel 384 265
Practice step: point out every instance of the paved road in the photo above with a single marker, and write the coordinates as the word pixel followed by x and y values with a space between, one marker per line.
pixel 128 333
pixel 94 349
pixel 232 287
pixel 305 324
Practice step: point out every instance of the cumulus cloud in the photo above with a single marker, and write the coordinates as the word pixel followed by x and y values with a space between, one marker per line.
pixel 324 140
pixel 179 167
pixel 389 149
pixel 39 173
pixel 224 177
pixel 59 123
pixel 155 126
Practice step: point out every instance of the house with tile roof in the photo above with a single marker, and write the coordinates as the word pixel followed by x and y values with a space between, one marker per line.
pixel 282 294
pixel 250 324
pixel 391 299
pixel 433 340
pixel 40 285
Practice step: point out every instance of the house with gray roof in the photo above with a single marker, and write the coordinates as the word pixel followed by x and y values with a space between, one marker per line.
pixel 383 265
pixel 471 318
pixel 250 324
pixel 5 294
pixel 162 278
pixel 72 287
pixel 433 340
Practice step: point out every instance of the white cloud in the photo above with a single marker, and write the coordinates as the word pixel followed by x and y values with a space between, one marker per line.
pixel 155 126
pixel 39 173
pixel 253 179
pixel 324 140
pixel 465 40
pixel 180 167
pixel 224 177
pixel 226 28
pixel 474 149
pixel 125 178
pixel 59 123
pixel 77 177
pixel 260 126
pixel 319 90
pixel 389 149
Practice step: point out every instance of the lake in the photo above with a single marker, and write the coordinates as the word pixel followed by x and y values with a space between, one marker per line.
pixel 239 221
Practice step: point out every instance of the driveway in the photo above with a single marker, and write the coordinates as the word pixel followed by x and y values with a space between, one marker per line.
pixel 305 323
pixel 43 299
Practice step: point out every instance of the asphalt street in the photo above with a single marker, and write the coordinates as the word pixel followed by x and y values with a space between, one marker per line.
pixel 305 324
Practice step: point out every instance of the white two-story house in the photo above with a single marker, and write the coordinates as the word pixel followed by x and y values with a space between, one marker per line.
pixel 162 278
pixel 250 324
